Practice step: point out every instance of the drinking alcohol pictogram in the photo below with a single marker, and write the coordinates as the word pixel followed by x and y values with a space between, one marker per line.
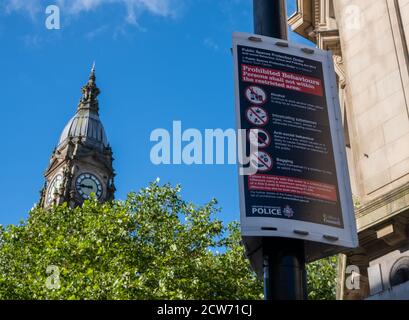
pixel 256 95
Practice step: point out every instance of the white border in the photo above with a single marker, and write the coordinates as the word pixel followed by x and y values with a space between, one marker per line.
pixel 251 226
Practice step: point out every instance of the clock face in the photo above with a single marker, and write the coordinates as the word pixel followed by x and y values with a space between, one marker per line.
pixel 53 188
pixel 86 184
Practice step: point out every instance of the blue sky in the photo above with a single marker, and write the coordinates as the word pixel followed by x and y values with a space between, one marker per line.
pixel 157 61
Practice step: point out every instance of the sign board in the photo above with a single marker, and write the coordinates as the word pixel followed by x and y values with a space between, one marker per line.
pixel 287 101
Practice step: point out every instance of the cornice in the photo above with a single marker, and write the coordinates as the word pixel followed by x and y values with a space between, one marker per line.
pixel 383 201
pixel 301 21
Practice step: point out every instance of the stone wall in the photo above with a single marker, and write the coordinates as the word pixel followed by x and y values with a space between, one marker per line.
pixel 376 68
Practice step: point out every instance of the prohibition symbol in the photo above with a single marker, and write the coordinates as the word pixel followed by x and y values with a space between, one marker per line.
pixel 259 138
pixel 257 116
pixel 256 95
pixel 261 161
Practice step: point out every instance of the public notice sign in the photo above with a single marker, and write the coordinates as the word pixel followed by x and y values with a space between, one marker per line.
pixel 287 101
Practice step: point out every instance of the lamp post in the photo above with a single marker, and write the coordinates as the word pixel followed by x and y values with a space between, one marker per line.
pixel 284 259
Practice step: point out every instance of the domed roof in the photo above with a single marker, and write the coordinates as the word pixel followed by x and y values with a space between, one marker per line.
pixel 86 124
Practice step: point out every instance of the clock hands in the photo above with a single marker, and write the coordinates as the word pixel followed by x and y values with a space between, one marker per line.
pixel 86 186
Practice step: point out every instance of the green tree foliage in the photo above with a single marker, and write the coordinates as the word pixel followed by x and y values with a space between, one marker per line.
pixel 321 281
pixel 154 245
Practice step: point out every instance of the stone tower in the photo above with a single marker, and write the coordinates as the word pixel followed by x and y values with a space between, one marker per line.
pixel 81 164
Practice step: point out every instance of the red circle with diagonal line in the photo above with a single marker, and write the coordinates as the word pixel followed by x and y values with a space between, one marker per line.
pixel 256 95
pixel 259 138
pixel 262 161
pixel 257 116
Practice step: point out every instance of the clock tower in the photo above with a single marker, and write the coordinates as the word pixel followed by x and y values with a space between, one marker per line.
pixel 81 163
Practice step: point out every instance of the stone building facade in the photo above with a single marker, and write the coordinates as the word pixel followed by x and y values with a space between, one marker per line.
pixel 81 164
pixel 369 39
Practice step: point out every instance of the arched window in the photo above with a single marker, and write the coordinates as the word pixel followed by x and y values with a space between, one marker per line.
pixel 400 272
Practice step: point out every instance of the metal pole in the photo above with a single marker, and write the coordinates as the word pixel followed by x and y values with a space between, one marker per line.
pixel 270 18
pixel 284 259
pixel 285 277
pixel 266 271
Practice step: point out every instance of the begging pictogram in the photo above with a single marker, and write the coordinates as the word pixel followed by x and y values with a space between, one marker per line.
pixel 262 161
